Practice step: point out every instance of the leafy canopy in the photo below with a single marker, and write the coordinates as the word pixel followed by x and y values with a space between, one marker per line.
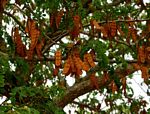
pixel 43 42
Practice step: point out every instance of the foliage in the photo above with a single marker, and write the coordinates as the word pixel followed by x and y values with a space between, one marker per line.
pixel 42 43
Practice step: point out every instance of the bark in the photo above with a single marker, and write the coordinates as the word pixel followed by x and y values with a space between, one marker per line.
pixel 85 86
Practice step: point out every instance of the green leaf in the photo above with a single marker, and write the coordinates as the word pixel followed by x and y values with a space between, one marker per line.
pixel 26 110
pixel 1 80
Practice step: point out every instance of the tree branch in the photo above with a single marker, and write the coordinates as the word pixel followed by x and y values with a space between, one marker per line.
pixel 64 58
pixel 136 20
pixel 4 54
pixel 85 106
pixel 15 19
pixel 85 86
pixel 116 2
pixel 55 39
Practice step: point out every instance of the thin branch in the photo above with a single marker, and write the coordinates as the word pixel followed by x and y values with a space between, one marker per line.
pixel 55 39
pixel 64 58
pixel 115 40
pixel 15 5
pixel 139 86
pixel 136 20
pixel 15 19
pixel 50 39
pixel 4 54
pixel 116 2
pixel 85 106
pixel 31 11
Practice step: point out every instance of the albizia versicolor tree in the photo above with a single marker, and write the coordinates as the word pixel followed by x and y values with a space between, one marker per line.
pixel 42 42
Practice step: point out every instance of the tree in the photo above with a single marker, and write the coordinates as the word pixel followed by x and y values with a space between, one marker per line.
pixel 89 40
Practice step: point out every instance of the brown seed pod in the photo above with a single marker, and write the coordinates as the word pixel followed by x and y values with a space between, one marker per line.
pixel 66 67
pixel 90 60
pixel 58 58
pixel 113 28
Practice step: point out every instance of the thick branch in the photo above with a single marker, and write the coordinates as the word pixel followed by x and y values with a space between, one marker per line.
pixel 85 86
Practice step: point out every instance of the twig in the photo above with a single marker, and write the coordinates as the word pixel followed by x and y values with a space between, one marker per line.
pixel 31 11
pixel 64 58
pixel 50 39
pixel 136 20
pixel 17 8
pixel 28 7
pixel 15 19
pixel 4 54
pixel 85 106
pixel 115 40
pixel 139 86
pixel 55 39
pixel 115 2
